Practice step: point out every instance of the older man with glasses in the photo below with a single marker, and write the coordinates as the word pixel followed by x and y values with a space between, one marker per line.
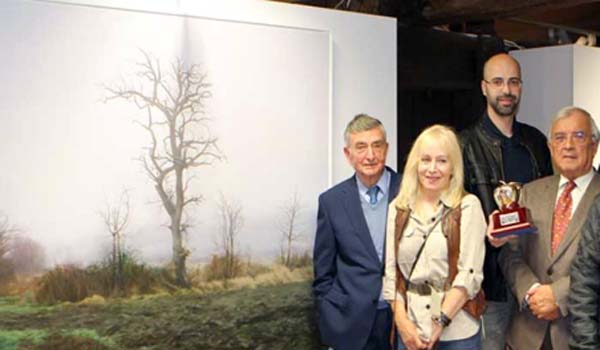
pixel 537 266
pixel 499 148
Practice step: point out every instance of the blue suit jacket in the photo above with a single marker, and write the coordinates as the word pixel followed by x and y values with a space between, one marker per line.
pixel 348 273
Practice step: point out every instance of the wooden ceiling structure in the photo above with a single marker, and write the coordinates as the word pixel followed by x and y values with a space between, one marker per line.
pixel 527 23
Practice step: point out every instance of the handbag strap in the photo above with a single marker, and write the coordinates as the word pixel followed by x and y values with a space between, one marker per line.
pixel 427 233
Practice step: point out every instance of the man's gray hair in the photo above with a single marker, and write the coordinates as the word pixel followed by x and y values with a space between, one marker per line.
pixel 567 111
pixel 362 122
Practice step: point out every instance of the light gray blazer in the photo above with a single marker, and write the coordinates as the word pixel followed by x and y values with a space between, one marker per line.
pixel 529 260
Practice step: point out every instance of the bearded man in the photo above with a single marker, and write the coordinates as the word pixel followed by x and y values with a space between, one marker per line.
pixel 499 148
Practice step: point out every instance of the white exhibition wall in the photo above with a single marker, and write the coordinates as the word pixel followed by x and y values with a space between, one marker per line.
pixel 547 77
pixel 284 82
pixel 71 153
pixel 555 77
pixel 363 56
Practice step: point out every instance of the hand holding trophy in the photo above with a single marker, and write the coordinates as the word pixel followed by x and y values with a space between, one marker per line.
pixel 511 219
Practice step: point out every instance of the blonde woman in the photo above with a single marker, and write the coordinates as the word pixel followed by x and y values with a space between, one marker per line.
pixel 435 249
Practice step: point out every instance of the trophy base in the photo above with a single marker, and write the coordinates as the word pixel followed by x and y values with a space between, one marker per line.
pixel 514 231
pixel 511 222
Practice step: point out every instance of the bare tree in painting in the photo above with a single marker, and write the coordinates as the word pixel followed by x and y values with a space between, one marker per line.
pixel 179 139
pixel 232 221
pixel 116 218
pixel 27 255
pixel 5 230
pixel 288 228
pixel 6 266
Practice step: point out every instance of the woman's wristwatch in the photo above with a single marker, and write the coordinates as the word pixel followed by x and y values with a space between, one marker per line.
pixel 443 319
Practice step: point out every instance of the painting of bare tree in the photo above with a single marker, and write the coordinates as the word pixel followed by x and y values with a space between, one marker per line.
pixel 116 217
pixel 179 139
pixel 290 230
pixel 163 178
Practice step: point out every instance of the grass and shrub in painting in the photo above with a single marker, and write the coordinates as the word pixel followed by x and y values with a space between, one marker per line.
pixel 275 315
pixel 72 283
pixel 69 307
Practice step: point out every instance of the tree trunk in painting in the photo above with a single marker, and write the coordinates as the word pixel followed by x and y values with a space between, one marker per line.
pixel 180 140
pixel 116 218
pixel 288 226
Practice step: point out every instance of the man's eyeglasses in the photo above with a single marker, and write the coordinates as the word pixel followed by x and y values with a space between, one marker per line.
pixel 499 82
pixel 559 138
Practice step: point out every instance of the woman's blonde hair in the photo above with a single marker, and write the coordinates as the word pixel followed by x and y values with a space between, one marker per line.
pixel 410 186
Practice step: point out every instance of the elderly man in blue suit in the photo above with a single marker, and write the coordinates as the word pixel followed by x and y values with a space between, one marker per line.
pixel 349 244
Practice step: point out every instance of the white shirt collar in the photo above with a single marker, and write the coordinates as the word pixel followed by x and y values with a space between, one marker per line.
pixel 383 183
pixel 581 182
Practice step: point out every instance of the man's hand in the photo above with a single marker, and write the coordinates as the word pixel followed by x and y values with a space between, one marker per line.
pixel 496 242
pixel 542 303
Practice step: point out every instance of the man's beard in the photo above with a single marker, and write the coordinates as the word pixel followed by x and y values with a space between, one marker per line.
pixel 503 111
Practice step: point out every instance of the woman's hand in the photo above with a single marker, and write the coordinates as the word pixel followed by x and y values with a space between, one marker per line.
pixel 436 332
pixel 410 335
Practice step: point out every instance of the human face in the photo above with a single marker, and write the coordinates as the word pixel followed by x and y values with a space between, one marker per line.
pixel 366 153
pixel 434 169
pixel 572 155
pixel 501 86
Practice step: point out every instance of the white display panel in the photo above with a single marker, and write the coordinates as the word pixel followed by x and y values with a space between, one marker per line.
pixel 363 70
pixel 556 77
pixel 69 152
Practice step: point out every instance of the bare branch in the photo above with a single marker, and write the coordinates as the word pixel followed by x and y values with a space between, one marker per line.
pixel 288 228
pixel 195 200
pixel 6 232
pixel 116 215
pixel 174 104
pixel 232 221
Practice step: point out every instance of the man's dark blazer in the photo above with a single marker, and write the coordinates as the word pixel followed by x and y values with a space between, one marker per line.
pixel 348 273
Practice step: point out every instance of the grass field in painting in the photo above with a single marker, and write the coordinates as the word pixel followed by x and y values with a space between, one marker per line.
pixel 279 316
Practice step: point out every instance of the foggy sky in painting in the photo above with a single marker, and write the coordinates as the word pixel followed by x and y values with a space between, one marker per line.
pixel 65 153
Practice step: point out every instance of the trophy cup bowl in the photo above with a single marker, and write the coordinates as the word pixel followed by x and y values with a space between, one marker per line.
pixel 511 219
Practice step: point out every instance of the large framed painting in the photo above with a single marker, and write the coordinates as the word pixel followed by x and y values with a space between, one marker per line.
pixel 160 179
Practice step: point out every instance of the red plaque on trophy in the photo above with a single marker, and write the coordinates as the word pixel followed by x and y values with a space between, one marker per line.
pixel 511 219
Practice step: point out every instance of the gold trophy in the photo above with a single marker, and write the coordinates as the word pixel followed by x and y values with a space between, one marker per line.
pixel 511 219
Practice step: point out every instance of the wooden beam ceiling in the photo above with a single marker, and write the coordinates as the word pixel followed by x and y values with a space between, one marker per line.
pixel 446 11
pixel 455 11
pixel 582 18
pixel 506 19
